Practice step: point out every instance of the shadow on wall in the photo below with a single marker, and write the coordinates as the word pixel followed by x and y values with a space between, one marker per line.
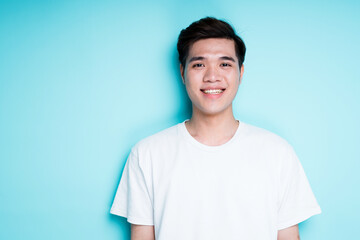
pixel 122 224
pixel 148 128
pixel 185 108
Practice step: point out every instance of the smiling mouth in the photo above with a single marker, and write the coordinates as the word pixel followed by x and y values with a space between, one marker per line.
pixel 212 91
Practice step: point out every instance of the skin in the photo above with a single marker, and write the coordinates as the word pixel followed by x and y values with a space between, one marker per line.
pixel 211 64
pixel 142 232
pixel 290 233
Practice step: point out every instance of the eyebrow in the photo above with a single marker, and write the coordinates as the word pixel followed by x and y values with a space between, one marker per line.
pixel 227 58
pixel 197 58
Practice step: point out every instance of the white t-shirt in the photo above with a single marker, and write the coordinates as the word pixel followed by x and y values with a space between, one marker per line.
pixel 248 188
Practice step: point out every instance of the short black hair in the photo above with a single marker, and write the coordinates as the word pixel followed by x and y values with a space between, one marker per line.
pixel 208 27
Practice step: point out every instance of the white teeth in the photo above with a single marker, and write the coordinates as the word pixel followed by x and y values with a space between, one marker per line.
pixel 213 91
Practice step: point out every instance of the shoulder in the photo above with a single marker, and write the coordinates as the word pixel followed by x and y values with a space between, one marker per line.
pixel 264 138
pixel 269 146
pixel 159 140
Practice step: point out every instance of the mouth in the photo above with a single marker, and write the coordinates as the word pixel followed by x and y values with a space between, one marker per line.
pixel 213 91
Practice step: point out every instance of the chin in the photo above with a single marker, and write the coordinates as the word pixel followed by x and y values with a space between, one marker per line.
pixel 212 111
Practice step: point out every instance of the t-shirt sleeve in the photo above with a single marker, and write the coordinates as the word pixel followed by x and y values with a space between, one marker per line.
pixel 296 200
pixel 132 199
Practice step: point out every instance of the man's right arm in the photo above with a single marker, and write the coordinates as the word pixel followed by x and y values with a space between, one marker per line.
pixel 142 232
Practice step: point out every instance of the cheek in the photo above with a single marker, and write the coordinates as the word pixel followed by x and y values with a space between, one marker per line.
pixel 190 88
pixel 235 79
pixel 191 82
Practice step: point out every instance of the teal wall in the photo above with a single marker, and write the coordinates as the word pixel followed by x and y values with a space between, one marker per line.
pixel 82 81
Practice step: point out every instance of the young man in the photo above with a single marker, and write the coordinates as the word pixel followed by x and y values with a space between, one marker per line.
pixel 213 177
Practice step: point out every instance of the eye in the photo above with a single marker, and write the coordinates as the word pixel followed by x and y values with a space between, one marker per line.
pixel 197 65
pixel 225 65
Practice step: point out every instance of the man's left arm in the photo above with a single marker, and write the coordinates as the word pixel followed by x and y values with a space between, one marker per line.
pixel 290 233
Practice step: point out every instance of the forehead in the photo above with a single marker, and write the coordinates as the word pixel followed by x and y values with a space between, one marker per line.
pixel 213 47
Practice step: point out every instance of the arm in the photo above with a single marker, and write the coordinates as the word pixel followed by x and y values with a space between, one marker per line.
pixel 290 233
pixel 142 232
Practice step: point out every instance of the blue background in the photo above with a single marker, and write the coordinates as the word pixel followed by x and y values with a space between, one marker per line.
pixel 82 81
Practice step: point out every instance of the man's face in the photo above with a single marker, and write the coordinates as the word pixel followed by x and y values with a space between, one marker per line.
pixel 212 75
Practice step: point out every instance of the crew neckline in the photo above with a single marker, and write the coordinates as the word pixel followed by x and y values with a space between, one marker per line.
pixel 195 142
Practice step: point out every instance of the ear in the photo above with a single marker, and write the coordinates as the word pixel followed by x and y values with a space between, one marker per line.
pixel 182 73
pixel 241 72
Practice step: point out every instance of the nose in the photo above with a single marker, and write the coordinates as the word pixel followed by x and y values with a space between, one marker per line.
pixel 212 74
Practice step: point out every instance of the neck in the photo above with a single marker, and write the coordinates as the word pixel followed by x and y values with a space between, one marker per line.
pixel 212 130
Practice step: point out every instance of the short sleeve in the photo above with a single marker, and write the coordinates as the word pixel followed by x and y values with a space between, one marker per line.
pixel 296 200
pixel 132 199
